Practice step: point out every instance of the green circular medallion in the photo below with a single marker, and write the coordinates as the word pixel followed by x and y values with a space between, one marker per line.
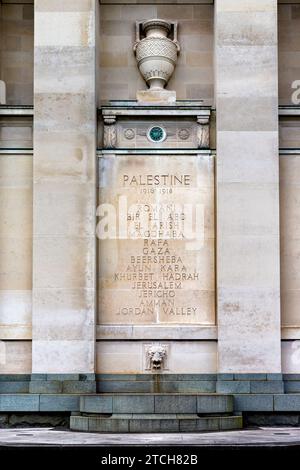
pixel 157 134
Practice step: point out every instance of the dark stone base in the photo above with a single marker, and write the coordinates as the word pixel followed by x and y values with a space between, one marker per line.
pixel 62 383
pixel 154 423
pixel 150 383
pixel 271 419
pixel 195 383
pixel 257 396
pixel 62 420
pixel 30 420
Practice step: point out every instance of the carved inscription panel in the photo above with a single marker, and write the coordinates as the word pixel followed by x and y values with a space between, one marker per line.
pixel 156 239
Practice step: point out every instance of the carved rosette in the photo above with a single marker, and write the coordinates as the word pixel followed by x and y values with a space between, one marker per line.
pixel 203 132
pixel 156 53
pixel 129 134
pixel 110 132
pixel 183 134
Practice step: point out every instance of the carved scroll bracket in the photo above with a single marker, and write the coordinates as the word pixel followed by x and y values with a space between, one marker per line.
pixel 110 132
pixel 203 132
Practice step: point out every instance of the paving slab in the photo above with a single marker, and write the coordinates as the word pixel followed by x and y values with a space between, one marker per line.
pixel 260 437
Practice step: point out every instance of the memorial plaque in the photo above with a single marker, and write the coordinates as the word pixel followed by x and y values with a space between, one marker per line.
pixel 156 239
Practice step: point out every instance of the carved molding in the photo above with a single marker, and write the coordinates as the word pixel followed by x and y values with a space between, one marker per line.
pixel 203 132
pixel 110 132
pixel 127 126
pixel 2 92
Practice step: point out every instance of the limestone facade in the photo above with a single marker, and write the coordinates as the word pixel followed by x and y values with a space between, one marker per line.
pixel 73 137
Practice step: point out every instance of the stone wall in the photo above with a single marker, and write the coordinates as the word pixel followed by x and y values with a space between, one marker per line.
pixel 17 51
pixel 129 356
pixel 16 132
pixel 289 132
pixel 194 74
pixel 16 262
pixel 289 49
pixel 119 76
pixel 65 178
pixel 64 181
pixel 248 251
pixel 290 239
pixel 290 264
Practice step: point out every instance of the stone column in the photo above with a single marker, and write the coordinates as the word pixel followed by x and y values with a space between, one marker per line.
pixel 247 186
pixel 64 187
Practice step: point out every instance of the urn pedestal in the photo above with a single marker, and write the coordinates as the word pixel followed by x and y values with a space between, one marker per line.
pixel 156 97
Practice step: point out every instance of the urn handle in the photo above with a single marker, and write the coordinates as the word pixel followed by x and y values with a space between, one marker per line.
pixel 139 34
pixel 138 26
pixel 175 35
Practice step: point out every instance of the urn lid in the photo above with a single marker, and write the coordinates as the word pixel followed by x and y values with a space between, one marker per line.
pixel 158 26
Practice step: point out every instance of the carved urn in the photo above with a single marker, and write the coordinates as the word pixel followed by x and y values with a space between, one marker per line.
pixel 156 52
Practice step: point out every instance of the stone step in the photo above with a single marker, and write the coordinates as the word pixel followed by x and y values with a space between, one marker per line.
pixel 154 423
pixel 157 403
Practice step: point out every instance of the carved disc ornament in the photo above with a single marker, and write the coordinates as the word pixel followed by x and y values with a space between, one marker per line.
pixel 129 134
pixel 184 134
